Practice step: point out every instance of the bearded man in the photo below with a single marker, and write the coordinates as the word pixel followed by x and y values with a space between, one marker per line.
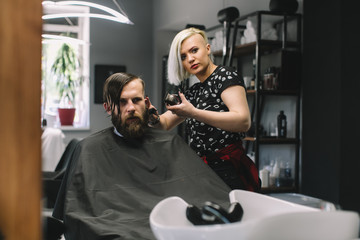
pixel 117 176
pixel 124 99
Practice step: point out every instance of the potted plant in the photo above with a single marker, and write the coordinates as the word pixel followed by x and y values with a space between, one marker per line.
pixel 66 69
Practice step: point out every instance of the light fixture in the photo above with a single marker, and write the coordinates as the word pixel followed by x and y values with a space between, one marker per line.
pixel 48 38
pixel 115 16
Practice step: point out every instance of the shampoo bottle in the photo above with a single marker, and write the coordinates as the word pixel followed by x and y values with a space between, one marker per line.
pixel 282 125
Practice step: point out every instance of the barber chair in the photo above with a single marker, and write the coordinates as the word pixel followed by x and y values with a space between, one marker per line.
pixel 264 217
pixel 52 227
pixel 52 180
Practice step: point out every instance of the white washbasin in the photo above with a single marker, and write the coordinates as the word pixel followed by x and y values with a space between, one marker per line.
pixel 264 218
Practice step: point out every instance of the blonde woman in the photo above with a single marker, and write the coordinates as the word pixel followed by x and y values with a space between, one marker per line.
pixel 215 109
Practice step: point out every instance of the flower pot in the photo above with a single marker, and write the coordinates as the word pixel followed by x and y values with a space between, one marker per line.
pixel 66 116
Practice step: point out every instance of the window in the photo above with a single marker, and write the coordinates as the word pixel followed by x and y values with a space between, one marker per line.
pixel 74 32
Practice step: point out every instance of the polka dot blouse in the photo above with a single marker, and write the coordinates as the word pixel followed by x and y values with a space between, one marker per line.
pixel 203 138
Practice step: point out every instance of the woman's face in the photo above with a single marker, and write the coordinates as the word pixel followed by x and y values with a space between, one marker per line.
pixel 194 54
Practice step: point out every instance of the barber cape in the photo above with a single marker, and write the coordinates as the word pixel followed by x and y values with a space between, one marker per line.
pixel 112 184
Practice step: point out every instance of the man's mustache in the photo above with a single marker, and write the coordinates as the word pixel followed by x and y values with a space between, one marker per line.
pixel 134 116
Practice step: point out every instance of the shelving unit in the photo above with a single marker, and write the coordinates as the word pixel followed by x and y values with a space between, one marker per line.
pixel 287 52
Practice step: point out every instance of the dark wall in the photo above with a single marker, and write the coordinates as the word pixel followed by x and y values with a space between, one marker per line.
pixel 330 102
pixel 350 120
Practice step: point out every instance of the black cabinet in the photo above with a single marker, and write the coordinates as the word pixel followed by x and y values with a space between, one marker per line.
pixel 268 49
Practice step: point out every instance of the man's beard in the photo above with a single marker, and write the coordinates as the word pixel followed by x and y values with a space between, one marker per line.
pixel 134 129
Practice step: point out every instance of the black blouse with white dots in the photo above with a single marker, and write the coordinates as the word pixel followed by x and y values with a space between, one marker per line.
pixel 203 138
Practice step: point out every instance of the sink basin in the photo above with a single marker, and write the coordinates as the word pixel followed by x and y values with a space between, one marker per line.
pixel 264 217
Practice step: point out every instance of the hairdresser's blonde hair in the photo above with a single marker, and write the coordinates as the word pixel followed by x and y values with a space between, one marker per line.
pixel 175 70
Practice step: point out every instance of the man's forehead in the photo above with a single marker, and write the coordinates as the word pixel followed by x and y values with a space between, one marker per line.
pixel 132 89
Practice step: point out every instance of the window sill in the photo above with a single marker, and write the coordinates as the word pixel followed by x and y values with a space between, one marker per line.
pixel 72 128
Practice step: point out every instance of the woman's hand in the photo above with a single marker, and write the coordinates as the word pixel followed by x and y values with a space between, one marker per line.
pixel 184 110
pixel 165 121
pixel 154 117
pixel 237 119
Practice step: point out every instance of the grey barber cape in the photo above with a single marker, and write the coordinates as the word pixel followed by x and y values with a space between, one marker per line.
pixel 112 184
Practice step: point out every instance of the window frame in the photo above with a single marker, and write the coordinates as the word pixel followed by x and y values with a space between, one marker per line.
pixel 82 29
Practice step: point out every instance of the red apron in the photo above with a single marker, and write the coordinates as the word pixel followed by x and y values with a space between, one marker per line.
pixel 235 167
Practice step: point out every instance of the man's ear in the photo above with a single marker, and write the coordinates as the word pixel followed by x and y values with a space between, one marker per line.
pixel 107 108
pixel 147 102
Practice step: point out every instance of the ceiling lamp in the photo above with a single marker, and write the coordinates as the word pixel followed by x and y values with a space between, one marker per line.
pixel 114 15
pixel 48 38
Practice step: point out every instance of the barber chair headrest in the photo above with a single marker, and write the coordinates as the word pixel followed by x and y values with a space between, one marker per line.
pixel 228 14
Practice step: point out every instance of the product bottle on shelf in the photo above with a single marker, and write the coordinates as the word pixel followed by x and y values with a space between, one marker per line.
pixel 252 83
pixel 282 125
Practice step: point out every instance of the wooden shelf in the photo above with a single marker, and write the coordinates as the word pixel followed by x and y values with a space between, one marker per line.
pixel 266 46
pixel 251 92
pixel 279 92
pixel 248 48
pixel 251 139
pixel 272 140
pixel 276 140
pixel 274 92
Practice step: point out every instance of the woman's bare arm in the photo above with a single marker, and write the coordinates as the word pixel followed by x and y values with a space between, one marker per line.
pixel 236 120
